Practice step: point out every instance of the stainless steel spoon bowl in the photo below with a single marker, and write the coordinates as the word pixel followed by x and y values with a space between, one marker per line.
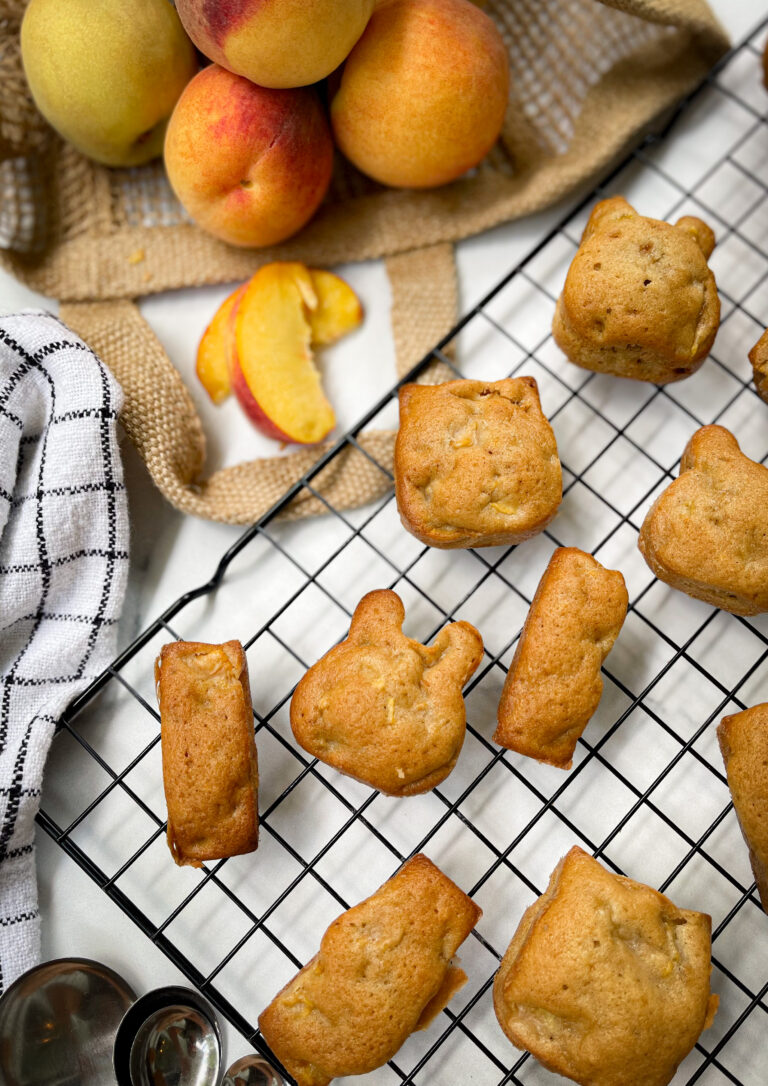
pixel 169 1037
pixel 58 1023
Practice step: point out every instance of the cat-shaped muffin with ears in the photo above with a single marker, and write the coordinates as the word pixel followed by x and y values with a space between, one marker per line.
pixel 707 533
pixel 639 298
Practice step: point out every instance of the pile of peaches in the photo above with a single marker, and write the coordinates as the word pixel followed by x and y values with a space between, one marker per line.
pixel 412 92
pixel 420 99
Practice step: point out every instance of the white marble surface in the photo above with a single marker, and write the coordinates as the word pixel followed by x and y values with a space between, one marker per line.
pixel 170 553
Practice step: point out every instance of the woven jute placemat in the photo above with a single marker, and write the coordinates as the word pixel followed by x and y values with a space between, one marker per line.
pixel 588 77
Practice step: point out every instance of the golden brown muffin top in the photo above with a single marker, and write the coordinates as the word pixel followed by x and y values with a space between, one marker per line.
pixel 384 708
pixel 383 970
pixel 475 462
pixel 642 282
pixel 743 741
pixel 707 533
pixel 606 981
pixel 554 684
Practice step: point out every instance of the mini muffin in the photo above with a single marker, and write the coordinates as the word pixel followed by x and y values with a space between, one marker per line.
pixel 743 741
pixel 758 356
pixel 383 708
pixel 605 980
pixel 554 685
pixel 476 463
pixel 707 533
pixel 639 299
pixel 383 970
pixel 210 771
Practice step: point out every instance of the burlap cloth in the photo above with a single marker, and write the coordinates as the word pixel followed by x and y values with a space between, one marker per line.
pixel 588 76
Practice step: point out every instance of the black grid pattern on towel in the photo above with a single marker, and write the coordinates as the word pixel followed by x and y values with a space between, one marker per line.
pixel 32 680
pixel 647 793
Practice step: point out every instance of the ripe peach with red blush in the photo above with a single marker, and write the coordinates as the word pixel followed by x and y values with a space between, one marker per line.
pixel 249 164
pixel 276 43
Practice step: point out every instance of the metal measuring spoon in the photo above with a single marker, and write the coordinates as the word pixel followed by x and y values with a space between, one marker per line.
pixel 169 1037
pixel 58 1023
pixel 252 1071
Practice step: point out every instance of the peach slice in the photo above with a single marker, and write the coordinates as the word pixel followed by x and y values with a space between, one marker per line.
pixel 216 350
pixel 274 376
pixel 331 307
pixel 338 309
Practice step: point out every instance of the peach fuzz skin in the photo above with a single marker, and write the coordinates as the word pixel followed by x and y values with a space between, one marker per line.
pixel 250 165
pixel 423 94
pixel 276 43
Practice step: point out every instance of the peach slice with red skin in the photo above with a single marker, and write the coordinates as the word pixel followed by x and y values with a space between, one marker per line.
pixel 214 355
pixel 274 376
pixel 288 303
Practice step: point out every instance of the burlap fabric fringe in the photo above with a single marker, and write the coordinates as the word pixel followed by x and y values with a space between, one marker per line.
pixel 588 76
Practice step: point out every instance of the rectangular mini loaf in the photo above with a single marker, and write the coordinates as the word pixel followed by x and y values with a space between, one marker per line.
pixel 383 970
pixel 554 684
pixel 210 769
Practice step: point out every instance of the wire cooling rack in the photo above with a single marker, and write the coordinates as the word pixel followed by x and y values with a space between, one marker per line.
pixel 647 793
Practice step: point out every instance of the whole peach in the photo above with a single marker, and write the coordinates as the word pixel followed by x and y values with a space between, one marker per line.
pixel 276 43
pixel 423 94
pixel 250 165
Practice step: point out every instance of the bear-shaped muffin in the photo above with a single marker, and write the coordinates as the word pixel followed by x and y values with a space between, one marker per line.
pixel 758 356
pixel 639 298
pixel 383 708
pixel 707 533
pixel 605 980
pixel 743 739
pixel 476 463
pixel 383 970
pixel 554 685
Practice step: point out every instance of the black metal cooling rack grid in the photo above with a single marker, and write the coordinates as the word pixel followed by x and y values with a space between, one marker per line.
pixel 647 793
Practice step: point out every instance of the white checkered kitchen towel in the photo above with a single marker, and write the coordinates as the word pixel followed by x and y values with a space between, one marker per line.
pixel 63 567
